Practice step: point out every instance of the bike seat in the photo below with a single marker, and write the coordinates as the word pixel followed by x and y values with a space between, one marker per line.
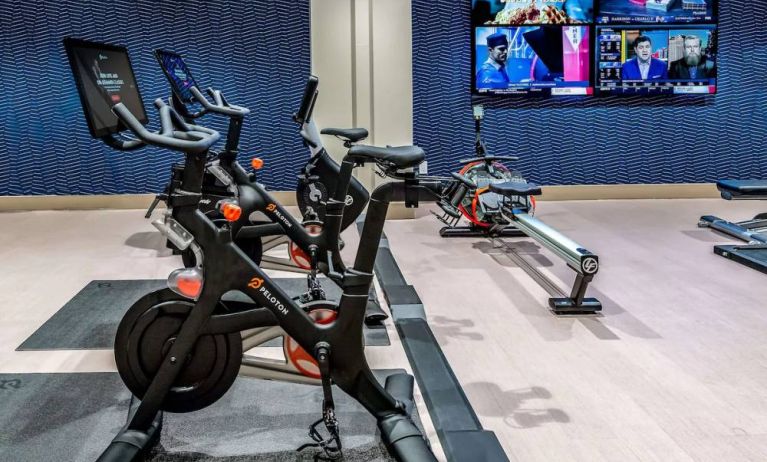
pixel 399 156
pixel 351 135
pixel 515 188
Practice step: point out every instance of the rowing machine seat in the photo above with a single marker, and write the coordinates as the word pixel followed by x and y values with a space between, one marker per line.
pixel 515 188
pixel 742 189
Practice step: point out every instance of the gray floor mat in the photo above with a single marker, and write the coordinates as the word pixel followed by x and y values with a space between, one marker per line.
pixel 89 320
pixel 73 417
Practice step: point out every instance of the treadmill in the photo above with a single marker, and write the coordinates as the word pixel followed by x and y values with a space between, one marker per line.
pixel 754 232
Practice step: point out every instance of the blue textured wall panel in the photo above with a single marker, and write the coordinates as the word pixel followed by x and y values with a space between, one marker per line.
pixel 599 140
pixel 257 52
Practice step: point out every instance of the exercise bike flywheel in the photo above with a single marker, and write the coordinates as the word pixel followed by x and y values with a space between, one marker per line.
pixel 146 334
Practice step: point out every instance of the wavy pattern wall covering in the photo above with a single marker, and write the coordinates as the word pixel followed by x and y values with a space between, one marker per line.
pixel 257 52
pixel 596 141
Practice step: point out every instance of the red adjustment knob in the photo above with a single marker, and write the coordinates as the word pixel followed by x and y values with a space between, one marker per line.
pixel 231 211
pixel 257 163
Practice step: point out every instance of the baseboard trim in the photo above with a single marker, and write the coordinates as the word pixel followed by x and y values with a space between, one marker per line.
pixel 397 210
pixel 630 191
pixel 117 201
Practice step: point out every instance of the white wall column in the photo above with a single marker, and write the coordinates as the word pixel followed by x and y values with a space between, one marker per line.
pixel 362 54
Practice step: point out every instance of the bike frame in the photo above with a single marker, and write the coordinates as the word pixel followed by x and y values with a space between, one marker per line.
pixel 233 270
pixel 253 197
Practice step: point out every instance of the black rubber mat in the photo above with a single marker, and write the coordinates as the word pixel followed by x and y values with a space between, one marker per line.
pixel 73 417
pixel 456 423
pixel 753 257
pixel 89 320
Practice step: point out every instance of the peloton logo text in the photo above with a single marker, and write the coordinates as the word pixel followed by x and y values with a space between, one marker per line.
pixel 257 283
pixel 273 208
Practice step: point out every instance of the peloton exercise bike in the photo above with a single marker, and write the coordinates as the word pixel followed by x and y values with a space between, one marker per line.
pixel 316 182
pixel 265 224
pixel 754 231
pixel 178 349
pixel 498 202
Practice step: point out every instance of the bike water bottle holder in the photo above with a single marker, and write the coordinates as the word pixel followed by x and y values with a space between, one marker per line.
pixel 174 232
pixel 178 237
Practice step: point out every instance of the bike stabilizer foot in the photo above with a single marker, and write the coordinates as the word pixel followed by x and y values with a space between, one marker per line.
pixel 569 306
pixel 132 445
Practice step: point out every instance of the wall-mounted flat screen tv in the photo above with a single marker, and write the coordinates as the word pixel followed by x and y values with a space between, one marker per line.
pixel 660 59
pixel 530 12
pixel 532 60
pixel 656 11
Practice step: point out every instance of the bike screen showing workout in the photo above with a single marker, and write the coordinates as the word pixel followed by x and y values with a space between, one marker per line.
pixel 656 59
pixel 656 11
pixel 533 60
pixel 105 77
pixel 178 74
pixel 525 12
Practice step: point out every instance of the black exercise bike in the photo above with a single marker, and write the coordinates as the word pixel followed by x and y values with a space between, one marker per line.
pixel 180 350
pixel 317 180
pixel 264 223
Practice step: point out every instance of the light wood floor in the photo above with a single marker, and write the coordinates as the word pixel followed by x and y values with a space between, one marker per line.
pixel 674 369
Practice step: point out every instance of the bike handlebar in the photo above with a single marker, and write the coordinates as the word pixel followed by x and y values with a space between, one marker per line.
pixel 174 133
pixel 219 105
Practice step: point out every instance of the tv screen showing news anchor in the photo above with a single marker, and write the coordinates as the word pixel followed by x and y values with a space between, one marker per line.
pixel 545 60
pixel 668 59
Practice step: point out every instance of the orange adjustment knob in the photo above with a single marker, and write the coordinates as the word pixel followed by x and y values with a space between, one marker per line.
pixel 186 281
pixel 256 163
pixel 231 211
